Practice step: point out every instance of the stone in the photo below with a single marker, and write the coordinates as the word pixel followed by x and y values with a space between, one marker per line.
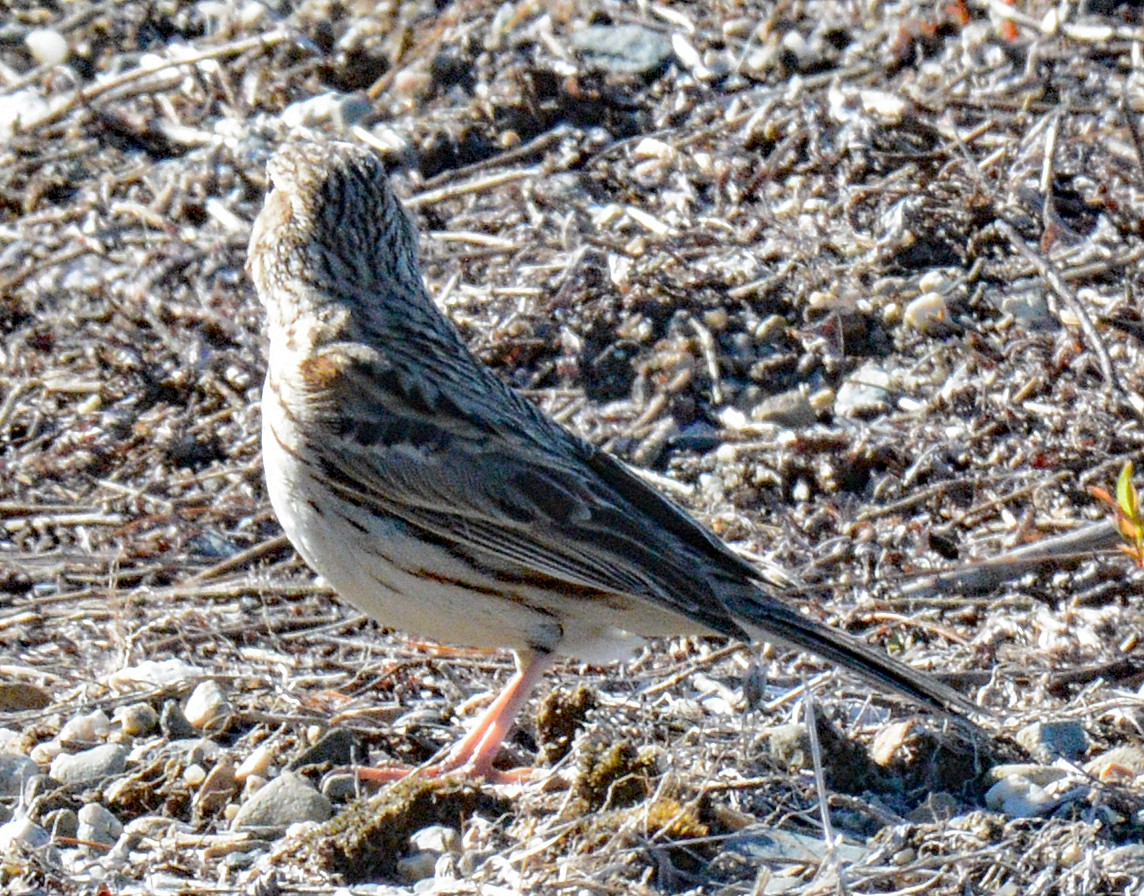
pixel 623 49
pixel 98 825
pixel 89 766
pixel 286 800
pixel 15 771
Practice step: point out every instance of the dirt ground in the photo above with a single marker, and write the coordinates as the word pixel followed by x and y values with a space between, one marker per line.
pixel 857 284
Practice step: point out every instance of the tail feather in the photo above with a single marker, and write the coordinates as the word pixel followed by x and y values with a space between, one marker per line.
pixel 780 624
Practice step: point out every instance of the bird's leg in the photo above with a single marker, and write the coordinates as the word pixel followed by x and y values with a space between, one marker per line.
pixel 475 754
pixel 473 757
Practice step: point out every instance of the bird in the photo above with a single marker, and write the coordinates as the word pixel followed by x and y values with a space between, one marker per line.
pixel 439 501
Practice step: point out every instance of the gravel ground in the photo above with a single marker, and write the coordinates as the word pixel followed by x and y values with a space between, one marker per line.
pixel 857 284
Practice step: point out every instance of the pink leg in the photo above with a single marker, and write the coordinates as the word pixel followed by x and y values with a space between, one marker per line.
pixel 475 754
pixel 473 757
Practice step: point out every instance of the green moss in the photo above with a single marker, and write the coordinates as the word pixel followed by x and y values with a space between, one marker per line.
pixel 560 716
pixel 615 776
pixel 364 841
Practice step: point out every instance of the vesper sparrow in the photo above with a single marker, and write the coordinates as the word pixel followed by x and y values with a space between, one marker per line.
pixel 438 501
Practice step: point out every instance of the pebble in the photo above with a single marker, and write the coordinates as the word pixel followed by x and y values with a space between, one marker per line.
pixel 207 705
pixel 85 730
pixel 22 833
pixel 47 46
pixel 15 771
pixel 342 110
pixel 1047 741
pixel 927 314
pixel 865 393
pixel 436 838
pixel 89 766
pixel 135 719
pixel 45 751
pixel 156 674
pixel 61 823
pixel 623 49
pixel 173 723
pixel 337 746
pixel 286 800
pixel 98 825
pixel 418 866
pixel 257 763
pixel 216 790
pixel 790 410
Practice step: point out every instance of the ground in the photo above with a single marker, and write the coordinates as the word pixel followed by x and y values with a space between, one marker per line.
pixel 857 284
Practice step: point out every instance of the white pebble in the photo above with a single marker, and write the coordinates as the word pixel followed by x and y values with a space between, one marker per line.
pixel 927 313
pixel 206 704
pixel 135 719
pixel 257 763
pixel 47 46
pixel 87 729
pixel 155 673
pixel 194 775
pixel 98 825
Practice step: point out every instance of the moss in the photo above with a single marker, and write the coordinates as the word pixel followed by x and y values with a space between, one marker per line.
pixel 364 841
pixel 560 716
pixel 615 776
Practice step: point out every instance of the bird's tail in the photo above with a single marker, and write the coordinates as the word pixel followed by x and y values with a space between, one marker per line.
pixel 773 621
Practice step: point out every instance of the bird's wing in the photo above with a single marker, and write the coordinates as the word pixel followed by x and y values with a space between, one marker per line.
pixel 510 490
pixel 502 484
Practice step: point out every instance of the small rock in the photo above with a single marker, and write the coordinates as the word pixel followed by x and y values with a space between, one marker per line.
pixel 136 719
pixel 85 730
pixel 204 751
pixel 928 314
pixel 156 674
pixel 21 833
pixel 257 763
pixel 15 771
pixel 419 866
pixel 623 49
pixel 44 752
pixel 342 110
pixel 207 705
pixel 61 823
pixel 888 741
pixel 98 825
pixel 1118 764
pixel 216 790
pixel 47 46
pixel 436 838
pixel 790 410
pixel 90 766
pixel 338 746
pixel 194 774
pixel 286 800
pixel 1047 741
pixel 865 393
pixel 173 723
